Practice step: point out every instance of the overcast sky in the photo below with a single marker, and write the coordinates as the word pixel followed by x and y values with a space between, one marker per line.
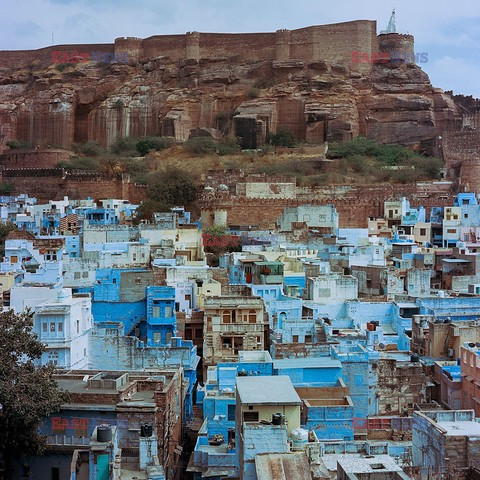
pixel 448 31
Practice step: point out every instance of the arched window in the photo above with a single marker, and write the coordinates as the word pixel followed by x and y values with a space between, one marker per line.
pixel 227 316
pixel 252 316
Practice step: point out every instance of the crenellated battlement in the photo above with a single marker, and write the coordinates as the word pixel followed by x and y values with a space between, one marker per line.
pixel 331 43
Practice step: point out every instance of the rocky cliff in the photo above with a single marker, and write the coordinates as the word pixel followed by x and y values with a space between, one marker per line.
pixel 57 104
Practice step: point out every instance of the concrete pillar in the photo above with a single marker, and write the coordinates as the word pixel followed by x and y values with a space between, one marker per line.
pixel 192 42
pixel 282 45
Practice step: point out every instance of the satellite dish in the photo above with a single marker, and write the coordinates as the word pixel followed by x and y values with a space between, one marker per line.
pixel 381 346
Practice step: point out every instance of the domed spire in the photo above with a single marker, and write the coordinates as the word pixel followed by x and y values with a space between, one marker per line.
pixel 392 27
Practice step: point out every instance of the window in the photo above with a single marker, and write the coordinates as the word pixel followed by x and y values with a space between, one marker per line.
pixel 198 332
pixel 308 339
pixel 231 413
pixel 114 280
pixel 451 230
pixel 423 232
pixel 60 327
pixel 465 215
pixel 52 327
pixel 76 275
pixel 138 281
pixel 84 274
pixel 78 326
pixel 252 316
pixel 188 334
pixel 250 416
pixel 44 327
pixel 168 311
pixel 156 312
pixel 295 338
pixel 84 352
pixel 13 259
pixel 227 316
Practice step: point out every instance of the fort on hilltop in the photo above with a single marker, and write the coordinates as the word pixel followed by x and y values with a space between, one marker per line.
pixel 332 44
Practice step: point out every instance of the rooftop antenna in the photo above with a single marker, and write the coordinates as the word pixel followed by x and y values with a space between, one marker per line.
pixel 392 26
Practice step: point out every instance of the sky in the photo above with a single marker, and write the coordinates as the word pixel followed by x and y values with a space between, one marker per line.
pixel 448 31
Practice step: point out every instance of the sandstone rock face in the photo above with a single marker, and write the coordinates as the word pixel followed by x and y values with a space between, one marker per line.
pixel 317 100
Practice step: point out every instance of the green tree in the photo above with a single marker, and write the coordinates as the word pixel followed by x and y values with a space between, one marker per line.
pixel 167 189
pixel 216 241
pixel 283 138
pixel 5 229
pixel 28 392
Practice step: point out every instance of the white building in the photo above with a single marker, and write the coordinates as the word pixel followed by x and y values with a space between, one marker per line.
pixel 63 325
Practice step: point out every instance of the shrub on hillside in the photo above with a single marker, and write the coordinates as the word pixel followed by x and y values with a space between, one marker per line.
pixel 282 138
pixel 147 144
pixel 91 149
pixel 13 144
pixel 125 146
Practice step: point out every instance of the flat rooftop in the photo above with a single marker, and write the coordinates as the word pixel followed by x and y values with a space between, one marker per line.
pixel 275 390
pixel 358 463
pixel 309 362
pixel 460 428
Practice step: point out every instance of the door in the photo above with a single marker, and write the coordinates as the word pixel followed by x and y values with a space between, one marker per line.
pixel 102 467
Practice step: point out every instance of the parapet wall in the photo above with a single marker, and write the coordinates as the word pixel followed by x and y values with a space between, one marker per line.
pixel 55 183
pixel 25 158
pixel 331 43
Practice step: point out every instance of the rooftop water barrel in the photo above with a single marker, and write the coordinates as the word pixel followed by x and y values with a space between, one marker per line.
pixel 104 433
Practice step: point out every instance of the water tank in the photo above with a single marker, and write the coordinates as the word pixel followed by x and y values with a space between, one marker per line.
pixel 414 358
pixel 299 439
pixel 146 430
pixel 104 433
pixel 278 419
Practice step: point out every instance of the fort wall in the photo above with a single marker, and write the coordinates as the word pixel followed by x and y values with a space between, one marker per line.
pixel 27 158
pixel 55 183
pixel 331 43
